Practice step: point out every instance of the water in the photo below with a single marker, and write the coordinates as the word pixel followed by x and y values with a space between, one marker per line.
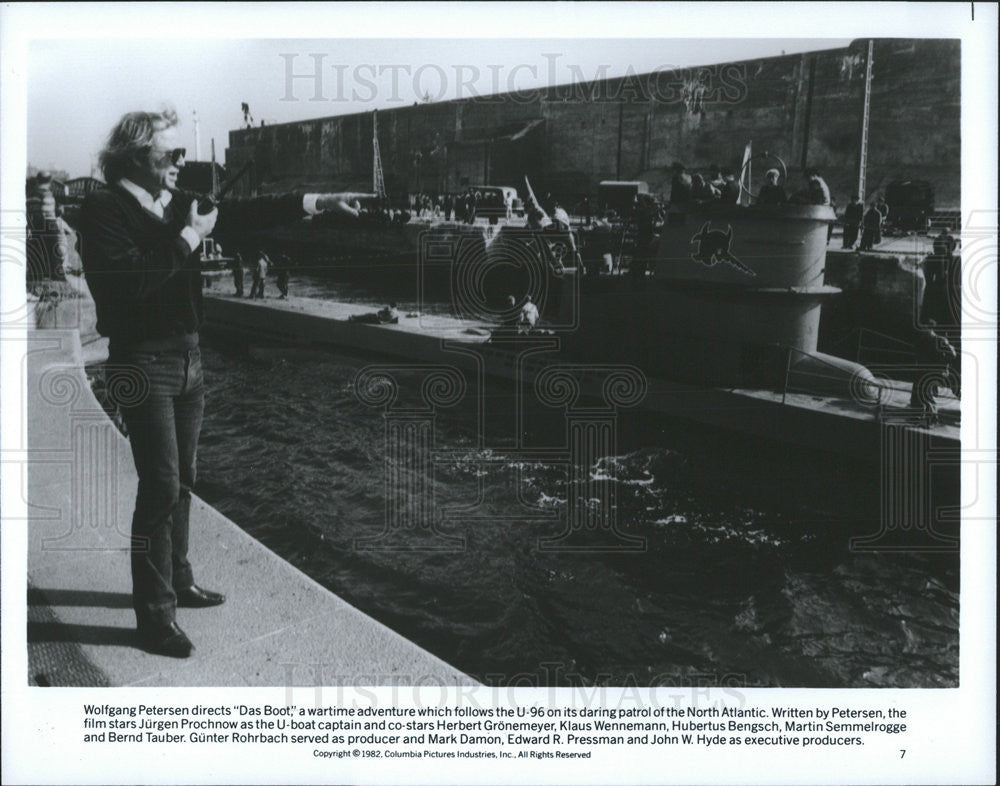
pixel 745 577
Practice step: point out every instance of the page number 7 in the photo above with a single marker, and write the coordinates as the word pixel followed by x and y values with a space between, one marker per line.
pixel 902 752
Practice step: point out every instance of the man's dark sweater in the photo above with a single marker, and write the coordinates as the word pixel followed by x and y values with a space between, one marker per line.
pixel 145 280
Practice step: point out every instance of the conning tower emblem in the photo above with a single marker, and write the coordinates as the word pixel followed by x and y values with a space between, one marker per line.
pixel 713 248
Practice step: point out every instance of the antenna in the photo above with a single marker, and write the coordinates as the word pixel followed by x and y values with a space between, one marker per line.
pixel 197 137
pixel 865 112
pixel 215 175
pixel 378 181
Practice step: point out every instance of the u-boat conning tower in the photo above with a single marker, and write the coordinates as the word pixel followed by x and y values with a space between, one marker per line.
pixel 733 298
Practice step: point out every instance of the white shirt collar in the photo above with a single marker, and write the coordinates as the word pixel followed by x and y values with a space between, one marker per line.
pixel 144 198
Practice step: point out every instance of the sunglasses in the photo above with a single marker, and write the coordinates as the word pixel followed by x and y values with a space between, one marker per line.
pixel 175 155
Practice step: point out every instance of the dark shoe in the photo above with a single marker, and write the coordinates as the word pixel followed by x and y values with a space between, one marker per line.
pixel 167 640
pixel 194 597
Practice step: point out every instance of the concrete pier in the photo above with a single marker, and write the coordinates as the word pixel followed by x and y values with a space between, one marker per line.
pixel 278 626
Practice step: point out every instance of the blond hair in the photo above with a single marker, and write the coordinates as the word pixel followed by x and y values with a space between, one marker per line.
pixel 131 137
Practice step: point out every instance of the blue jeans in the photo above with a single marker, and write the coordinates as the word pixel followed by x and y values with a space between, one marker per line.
pixel 162 399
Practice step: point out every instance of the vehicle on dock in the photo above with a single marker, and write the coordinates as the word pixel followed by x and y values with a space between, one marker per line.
pixel 619 195
pixel 215 264
pixel 500 202
pixel 911 206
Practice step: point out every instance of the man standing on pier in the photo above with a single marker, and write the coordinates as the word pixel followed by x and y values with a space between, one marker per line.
pixel 140 241
pixel 237 266
pixel 259 275
pixel 853 216
pixel 284 263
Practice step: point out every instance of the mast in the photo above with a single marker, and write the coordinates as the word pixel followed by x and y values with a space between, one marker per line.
pixel 863 163
pixel 215 175
pixel 197 137
pixel 378 181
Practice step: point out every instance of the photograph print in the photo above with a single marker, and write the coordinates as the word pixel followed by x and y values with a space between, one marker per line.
pixel 515 362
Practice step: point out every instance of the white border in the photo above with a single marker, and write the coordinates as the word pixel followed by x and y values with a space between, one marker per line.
pixel 959 725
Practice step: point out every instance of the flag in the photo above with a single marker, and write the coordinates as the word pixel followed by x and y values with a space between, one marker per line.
pixel 745 174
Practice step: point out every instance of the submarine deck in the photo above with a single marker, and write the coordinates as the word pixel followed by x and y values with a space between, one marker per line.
pixel 826 423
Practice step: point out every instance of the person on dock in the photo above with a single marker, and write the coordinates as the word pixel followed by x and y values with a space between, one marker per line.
pixel 560 217
pixel 680 186
pixel 284 263
pixel 510 324
pixel 44 259
pixel 259 276
pixel 703 191
pixel 647 217
pixel 942 275
pixel 237 268
pixel 731 189
pixel 853 215
pixel 471 206
pixel 871 229
pixel 529 316
pixel 552 235
pixel 939 362
pixel 716 179
pixel 140 242
pixel 254 273
pixel 883 210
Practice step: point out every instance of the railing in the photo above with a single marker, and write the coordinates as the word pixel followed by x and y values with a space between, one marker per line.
pixel 903 350
pixel 857 385
pixel 864 341
pixel 876 392
pixel 824 375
